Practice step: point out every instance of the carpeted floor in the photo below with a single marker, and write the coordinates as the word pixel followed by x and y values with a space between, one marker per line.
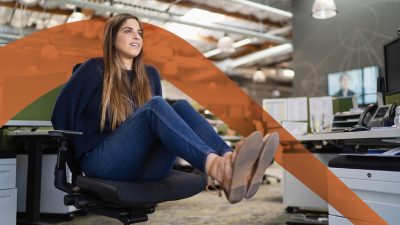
pixel 265 208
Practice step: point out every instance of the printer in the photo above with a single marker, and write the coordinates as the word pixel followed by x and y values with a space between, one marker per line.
pixel 375 179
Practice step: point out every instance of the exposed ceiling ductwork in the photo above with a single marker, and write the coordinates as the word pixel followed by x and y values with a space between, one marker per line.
pixel 7 29
pixel 167 17
pixel 269 9
pixel 279 31
pixel 252 26
pixel 229 64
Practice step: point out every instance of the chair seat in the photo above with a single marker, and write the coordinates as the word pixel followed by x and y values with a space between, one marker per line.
pixel 178 185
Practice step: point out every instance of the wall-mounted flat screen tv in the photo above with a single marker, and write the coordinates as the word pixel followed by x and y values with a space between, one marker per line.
pixel 361 82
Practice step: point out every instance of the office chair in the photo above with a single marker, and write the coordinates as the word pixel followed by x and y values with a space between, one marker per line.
pixel 129 202
pixel 267 178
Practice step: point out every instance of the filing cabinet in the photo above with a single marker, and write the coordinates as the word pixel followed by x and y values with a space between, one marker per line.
pixel 8 192
pixel 51 199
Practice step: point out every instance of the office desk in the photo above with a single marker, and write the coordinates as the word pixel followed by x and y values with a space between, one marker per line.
pixel 233 138
pixel 35 140
pixel 389 133
pixel 296 194
pixel 369 190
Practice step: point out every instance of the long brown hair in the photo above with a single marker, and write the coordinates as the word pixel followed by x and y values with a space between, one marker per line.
pixel 120 95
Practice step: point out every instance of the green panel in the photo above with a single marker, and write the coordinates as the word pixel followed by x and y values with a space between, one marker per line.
pixel 41 109
pixel 392 98
pixel 335 106
pixel 342 104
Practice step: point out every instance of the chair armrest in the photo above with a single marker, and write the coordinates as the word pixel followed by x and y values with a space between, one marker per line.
pixel 65 156
pixel 64 133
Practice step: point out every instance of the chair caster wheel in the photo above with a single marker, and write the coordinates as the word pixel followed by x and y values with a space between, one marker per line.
pixel 291 209
pixel 83 212
pixel 68 217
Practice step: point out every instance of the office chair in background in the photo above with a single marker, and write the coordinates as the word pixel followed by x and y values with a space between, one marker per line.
pixel 267 178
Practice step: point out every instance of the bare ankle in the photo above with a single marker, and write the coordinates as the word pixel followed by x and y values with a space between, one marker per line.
pixel 209 161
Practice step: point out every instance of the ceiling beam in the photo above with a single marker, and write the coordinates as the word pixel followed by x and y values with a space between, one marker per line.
pixel 251 49
pixel 167 17
pixel 249 46
pixel 229 64
pixel 37 8
pixel 236 15
pixel 269 9
pixel 269 52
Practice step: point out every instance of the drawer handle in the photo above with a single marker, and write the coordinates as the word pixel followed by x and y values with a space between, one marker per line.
pixel 4 173
pixel 5 197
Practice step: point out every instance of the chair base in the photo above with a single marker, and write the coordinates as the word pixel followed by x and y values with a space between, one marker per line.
pixel 128 202
pixel 127 216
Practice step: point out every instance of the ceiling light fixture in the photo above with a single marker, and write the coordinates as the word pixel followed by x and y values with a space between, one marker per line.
pixel 324 9
pixel 225 44
pixel 29 2
pixel 259 75
pixel 288 73
pixel 275 92
pixel 77 15
pixel 202 16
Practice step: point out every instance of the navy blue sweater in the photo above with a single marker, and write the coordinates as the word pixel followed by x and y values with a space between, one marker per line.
pixel 78 105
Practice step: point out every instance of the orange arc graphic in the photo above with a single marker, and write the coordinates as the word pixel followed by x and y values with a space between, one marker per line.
pixel 42 61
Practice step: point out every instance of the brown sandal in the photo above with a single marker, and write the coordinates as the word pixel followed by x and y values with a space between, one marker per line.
pixel 212 186
pixel 235 184
pixel 270 145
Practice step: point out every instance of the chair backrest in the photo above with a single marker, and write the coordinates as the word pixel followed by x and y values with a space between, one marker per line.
pixel 67 157
pixel 76 67
pixel 72 161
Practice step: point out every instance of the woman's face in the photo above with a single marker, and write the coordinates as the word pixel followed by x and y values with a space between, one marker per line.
pixel 129 39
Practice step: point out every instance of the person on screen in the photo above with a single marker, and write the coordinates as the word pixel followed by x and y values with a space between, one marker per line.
pixel 345 90
pixel 131 133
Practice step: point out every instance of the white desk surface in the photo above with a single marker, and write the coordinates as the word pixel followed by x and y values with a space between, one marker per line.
pixel 46 132
pixel 28 133
pixel 231 138
pixel 378 133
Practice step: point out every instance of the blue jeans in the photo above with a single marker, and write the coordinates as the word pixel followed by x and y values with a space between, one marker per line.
pixel 144 147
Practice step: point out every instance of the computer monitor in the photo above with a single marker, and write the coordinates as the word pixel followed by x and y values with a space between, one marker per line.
pixel 361 82
pixel 392 66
